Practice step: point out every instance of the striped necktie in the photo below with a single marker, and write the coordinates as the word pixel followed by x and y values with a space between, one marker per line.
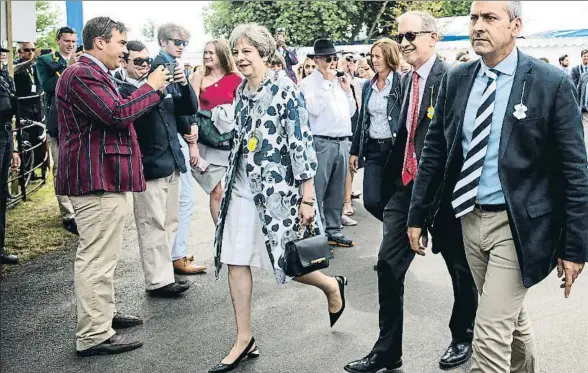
pixel 466 189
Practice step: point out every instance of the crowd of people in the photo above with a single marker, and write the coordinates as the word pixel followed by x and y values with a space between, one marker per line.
pixel 486 157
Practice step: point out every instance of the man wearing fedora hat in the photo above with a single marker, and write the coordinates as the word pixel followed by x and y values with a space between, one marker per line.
pixel 330 104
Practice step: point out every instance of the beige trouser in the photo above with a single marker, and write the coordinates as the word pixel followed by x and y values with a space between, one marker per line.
pixel 503 338
pixel 65 206
pixel 156 217
pixel 585 123
pixel 100 218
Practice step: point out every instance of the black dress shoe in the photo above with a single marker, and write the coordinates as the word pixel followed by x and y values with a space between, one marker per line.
pixel 71 226
pixel 371 364
pixel 247 353
pixel 121 321
pixel 180 281
pixel 334 316
pixel 456 354
pixel 115 345
pixel 172 290
pixel 6 258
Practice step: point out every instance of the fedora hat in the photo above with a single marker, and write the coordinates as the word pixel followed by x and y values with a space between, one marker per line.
pixel 323 47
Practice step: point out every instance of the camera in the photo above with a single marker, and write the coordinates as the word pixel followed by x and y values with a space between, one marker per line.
pixel 170 67
pixel 340 74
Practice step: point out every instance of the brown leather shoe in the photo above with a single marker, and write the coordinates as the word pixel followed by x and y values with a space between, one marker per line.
pixel 184 266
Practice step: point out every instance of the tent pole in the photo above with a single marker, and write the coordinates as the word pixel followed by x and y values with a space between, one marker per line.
pixel 9 37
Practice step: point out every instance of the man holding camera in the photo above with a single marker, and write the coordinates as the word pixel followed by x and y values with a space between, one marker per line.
pixel 49 67
pixel 287 53
pixel 156 209
pixel 100 163
pixel 173 40
pixel 330 104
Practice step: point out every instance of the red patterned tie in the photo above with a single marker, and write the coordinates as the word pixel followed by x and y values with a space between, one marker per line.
pixel 410 161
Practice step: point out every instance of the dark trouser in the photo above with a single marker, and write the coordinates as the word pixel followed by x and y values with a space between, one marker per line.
pixel 5 161
pixel 376 156
pixel 393 262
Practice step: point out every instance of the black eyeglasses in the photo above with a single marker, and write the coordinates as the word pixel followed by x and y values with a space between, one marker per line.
pixel 350 59
pixel 331 59
pixel 65 30
pixel 29 49
pixel 410 36
pixel 178 42
pixel 140 61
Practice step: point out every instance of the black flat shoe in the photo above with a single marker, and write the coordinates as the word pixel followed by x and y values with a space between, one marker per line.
pixel 335 316
pixel 121 321
pixel 456 355
pixel 6 258
pixel 220 367
pixel 372 363
pixel 116 344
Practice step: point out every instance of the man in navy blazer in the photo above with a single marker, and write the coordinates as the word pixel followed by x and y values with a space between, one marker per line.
pixel 506 153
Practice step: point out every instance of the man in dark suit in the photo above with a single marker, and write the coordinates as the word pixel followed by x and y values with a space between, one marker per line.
pixel 583 94
pixel 417 37
pixel 100 162
pixel 506 153
pixel 582 68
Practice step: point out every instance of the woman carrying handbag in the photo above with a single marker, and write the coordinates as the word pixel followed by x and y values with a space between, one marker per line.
pixel 269 191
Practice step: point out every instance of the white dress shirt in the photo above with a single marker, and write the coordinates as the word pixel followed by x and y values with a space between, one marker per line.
pixel 377 109
pixel 330 108
pixel 423 73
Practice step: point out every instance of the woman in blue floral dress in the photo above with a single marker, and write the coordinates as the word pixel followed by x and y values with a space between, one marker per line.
pixel 269 185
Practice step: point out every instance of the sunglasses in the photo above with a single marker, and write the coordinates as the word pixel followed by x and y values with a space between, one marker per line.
pixel 179 42
pixel 29 49
pixel 310 67
pixel 410 36
pixel 350 59
pixel 330 59
pixel 140 61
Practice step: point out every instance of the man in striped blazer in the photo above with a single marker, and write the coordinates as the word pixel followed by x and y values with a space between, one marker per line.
pixel 100 162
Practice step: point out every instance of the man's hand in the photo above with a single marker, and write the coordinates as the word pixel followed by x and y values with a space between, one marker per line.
pixel 15 161
pixel 158 78
pixel 36 55
pixel 418 240
pixel 353 163
pixel 345 83
pixel 192 137
pixel 179 76
pixel 568 272
pixel 194 154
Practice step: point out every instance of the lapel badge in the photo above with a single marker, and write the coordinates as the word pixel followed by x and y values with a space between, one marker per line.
pixel 520 109
pixel 430 112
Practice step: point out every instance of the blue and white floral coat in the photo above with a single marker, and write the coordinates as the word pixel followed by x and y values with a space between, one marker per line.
pixel 285 158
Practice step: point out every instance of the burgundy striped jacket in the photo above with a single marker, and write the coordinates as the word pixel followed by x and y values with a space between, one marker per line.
pixel 98 148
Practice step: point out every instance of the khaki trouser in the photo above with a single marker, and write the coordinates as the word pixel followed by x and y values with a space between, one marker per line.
pixel 156 217
pixel 585 123
pixel 503 338
pixel 100 218
pixel 65 206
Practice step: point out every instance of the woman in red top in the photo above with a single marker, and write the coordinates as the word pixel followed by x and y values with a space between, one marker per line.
pixel 215 88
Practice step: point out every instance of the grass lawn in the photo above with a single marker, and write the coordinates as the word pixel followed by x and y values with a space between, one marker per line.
pixel 34 227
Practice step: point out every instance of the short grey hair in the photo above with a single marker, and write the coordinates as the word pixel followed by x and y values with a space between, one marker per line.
pixel 429 23
pixel 166 32
pixel 100 27
pixel 256 35
pixel 514 9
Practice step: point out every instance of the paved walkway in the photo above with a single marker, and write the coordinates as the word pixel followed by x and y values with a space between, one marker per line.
pixel 291 323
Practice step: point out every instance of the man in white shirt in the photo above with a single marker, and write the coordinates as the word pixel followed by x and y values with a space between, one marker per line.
pixel 330 105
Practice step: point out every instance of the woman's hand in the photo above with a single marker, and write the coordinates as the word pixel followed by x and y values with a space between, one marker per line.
pixel 306 214
pixel 194 154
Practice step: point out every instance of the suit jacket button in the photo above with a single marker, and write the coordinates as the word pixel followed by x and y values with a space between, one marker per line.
pixel 389 118
pixel 393 135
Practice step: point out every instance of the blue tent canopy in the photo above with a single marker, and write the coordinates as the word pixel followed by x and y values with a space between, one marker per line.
pixel 562 34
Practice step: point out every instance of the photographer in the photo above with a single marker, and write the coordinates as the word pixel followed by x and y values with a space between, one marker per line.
pixel 157 209
pixel 49 68
pixel 8 157
pixel 287 53
pixel 330 104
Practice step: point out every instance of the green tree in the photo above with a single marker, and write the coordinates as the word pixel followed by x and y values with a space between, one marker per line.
pixel 47 17
pixel 343 21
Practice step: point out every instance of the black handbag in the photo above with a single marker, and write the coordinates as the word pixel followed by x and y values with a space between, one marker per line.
pixel 307 255
pixel 209 135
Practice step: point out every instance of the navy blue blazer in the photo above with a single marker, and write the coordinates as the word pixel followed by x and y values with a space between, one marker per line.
pixel 542 163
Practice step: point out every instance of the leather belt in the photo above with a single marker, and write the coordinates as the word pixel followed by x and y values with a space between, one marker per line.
pixel 491 208
pixel 381 141
pixel 344 138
